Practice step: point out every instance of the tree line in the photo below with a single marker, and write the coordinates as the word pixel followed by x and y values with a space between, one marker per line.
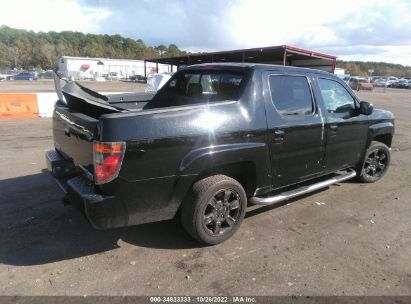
pixel 359 68
pixel 30 50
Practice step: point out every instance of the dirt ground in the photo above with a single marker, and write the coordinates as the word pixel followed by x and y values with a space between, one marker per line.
pixel 350 239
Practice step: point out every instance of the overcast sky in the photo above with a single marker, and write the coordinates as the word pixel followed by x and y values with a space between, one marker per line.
pixel 369 30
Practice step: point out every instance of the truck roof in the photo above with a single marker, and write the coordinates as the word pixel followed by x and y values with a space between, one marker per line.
pixel 243 65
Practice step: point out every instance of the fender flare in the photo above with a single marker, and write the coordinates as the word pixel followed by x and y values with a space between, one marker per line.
pixel 381 128
pixel 201 159
pixel 374 130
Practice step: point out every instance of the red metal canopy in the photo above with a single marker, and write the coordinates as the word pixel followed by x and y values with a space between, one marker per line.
pixel 282 55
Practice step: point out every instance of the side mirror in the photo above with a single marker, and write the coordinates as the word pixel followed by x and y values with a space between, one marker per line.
pixel 366 108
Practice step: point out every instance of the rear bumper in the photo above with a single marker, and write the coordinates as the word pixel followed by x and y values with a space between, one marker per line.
pixel 102 211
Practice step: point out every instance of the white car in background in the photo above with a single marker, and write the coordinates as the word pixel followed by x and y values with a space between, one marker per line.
pixel 156 81
pixel 114 76
pixel 391 80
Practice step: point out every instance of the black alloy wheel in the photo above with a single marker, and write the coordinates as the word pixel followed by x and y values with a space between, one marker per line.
pixel 222 212
pixel 376 162
pixel 214 209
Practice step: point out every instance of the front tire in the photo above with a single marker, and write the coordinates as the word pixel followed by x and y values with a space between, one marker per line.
pixel 214 209
pixel 376 163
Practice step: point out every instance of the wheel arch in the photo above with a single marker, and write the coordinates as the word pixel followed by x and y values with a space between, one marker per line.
pixel 248 163
pixel 381 132
pixel 244 172
pixel 384 138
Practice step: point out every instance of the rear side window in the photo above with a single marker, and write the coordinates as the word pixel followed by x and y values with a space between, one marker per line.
pixel 207 86
pixel 291 95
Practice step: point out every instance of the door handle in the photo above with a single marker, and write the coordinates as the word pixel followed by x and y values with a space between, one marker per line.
pixel 279 135
pixel 333 127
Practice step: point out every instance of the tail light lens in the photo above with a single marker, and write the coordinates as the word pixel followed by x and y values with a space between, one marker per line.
pixel 107 157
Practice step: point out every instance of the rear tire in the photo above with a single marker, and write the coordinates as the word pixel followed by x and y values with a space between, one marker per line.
pixel 376 162
pixel 214 209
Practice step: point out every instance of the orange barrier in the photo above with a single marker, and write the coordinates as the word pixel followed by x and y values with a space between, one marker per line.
pixel 18 105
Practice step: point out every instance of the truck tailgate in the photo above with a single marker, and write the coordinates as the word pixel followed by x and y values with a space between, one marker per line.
pixel 73 135
pixel 75 121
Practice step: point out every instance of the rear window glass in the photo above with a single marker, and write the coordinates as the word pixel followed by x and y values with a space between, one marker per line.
pixel 291 95
pixel 198 87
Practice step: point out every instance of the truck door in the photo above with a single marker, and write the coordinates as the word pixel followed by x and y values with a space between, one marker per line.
pixel 346 129
pixel 295 128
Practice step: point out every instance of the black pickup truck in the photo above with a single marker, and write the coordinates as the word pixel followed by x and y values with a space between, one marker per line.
pixel 214 138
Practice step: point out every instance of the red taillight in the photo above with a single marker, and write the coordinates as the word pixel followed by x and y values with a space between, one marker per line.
pixel 108 157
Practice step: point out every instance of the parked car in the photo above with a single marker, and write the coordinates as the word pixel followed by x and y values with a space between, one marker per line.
pixel 380 83
pixel 24 76
pixel 357 83
pixel 46 74
pixel 401 84
pixel 114 76
pixel 137 78
pixel 391 80
pixel 212 139
pixel 375 78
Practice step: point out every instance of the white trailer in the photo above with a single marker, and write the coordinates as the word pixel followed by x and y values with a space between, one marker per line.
pixel 100 68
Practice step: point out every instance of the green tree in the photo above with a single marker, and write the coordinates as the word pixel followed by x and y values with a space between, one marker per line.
pixel 24 49
pixel 173 50
pixel 161 49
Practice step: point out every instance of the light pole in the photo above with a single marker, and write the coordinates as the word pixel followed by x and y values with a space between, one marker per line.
pixel 370 71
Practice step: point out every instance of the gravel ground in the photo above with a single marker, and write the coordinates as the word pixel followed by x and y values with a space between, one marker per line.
pixel 350 239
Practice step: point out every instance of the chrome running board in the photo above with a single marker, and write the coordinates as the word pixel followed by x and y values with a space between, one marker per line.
pixel 302 190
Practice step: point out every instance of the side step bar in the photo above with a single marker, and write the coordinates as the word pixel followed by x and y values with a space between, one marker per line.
pixel 302 190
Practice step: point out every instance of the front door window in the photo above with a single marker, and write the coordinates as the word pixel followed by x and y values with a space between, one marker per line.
pixel 336 98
